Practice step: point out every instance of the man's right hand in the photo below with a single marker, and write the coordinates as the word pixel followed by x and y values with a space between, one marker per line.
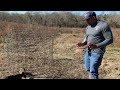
pixel 80 44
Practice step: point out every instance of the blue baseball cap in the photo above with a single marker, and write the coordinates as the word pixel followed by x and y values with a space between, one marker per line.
pixel 89 14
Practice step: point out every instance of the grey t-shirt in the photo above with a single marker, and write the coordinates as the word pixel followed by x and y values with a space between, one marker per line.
pixel 100 34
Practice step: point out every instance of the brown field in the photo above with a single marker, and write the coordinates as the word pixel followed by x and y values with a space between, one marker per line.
pixel 51 52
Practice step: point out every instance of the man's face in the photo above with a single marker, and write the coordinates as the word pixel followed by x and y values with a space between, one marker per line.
pixel 90 21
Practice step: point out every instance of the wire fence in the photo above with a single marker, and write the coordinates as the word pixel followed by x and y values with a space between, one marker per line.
pixel 28 49
pixel 33 50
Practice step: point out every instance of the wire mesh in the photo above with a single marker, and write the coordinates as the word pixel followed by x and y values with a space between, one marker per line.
pixel 30 50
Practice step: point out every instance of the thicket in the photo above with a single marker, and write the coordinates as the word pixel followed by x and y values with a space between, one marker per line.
pixel 61 19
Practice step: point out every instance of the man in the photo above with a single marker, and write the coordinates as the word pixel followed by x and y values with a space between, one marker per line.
pixel 98 36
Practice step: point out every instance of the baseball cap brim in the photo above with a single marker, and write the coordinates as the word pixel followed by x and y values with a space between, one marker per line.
pixel 88 15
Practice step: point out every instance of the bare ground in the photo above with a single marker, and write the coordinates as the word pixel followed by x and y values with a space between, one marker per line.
pixel 65 60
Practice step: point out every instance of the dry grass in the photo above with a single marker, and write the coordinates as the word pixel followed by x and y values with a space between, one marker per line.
pixel 67 58
pixel 109 69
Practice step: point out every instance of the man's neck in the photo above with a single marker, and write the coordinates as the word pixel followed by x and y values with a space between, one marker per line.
pixel 94 24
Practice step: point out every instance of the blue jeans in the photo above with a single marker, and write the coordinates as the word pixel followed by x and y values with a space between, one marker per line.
pixel 92 62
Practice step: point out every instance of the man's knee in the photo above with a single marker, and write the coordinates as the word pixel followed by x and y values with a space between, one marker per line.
pixel 94 68
pixel 87 68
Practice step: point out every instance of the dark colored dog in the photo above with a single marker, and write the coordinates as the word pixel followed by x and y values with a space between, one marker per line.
pixel 17 76
pixel 23 75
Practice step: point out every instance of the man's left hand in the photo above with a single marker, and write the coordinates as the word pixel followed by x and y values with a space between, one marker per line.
pixel 92 46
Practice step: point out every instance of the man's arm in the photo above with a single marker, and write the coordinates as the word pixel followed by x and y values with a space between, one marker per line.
pixel 84 42
pixel 107 33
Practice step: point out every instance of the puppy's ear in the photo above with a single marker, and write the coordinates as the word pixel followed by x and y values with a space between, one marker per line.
pixel 21 70
pixel 24 74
